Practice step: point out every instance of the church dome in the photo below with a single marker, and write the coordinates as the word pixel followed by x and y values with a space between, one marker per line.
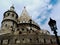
pixel 11 11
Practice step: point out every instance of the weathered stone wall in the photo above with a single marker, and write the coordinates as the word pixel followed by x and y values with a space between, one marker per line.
pixel 30 39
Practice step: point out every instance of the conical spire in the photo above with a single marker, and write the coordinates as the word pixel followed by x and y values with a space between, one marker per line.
pixel 24 15
pixel 25 18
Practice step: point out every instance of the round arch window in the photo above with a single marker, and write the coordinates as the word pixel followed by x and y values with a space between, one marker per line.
pixel 12 15
pixel 7 14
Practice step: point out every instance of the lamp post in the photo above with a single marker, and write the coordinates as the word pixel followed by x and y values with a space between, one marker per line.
pixel 52 24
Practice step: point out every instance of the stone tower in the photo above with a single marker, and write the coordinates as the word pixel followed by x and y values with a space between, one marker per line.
pixel 9 22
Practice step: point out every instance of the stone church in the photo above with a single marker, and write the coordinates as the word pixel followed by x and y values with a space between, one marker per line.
pixel 22 30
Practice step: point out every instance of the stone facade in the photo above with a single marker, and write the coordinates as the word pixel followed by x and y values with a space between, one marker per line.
pixel 23 30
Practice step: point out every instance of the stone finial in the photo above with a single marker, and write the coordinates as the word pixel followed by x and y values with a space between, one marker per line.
pixel 12 7
pixel 24 7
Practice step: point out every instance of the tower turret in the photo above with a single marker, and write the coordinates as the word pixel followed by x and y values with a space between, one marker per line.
pixel 10 20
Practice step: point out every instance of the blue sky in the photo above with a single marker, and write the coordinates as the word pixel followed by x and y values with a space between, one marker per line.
pixel 39 10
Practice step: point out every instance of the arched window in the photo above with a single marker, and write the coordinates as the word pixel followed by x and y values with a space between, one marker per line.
pixel 30 21
pixel 51 41
pixel 15 41
pixel 27 30
pixel 30 40
pixel 22 29
pixel 6 25
pixel 44 40
pixel 8 41
pixel 1 42
pixel 12 29
pixel 12 15
pixel 23 40
pixel 18 29
pixel 7 14
pixel 20 32
pixel 33 30
pixel 37 40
